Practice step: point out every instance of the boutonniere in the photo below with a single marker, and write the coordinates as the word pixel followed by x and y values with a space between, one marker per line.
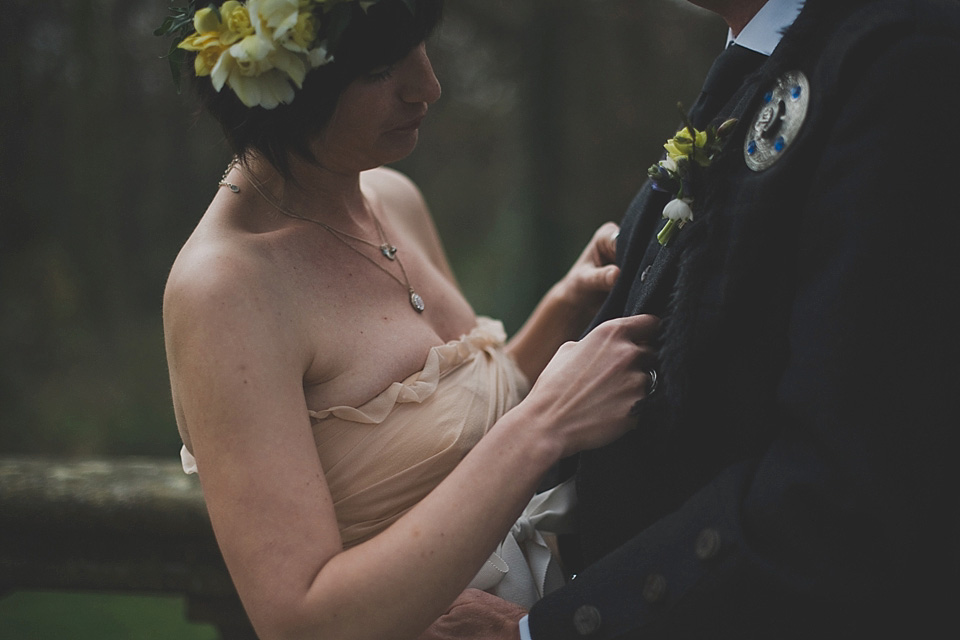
pixel 688 153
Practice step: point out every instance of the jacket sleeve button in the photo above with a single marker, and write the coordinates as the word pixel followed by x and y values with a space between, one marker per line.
pixel 586 620
pixel 708 544
pixel 654 588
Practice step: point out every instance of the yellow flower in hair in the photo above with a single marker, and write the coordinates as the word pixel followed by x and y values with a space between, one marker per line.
pixel 260 67
pixel 206 20
pixel 304 32
pixel 234 25
pixel 261 49
pixel 237 19
pixel 209 49
pixel 214 36
pixel 279 16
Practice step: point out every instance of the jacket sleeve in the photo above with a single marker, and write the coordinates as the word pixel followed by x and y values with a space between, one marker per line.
pixel 847 522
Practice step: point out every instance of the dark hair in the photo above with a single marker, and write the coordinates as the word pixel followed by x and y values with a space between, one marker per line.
pixel 381 36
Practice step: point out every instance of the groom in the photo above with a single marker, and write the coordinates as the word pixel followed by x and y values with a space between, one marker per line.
pixel 792 476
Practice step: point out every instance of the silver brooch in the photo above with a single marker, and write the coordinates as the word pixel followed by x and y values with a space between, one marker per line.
pixel 775 127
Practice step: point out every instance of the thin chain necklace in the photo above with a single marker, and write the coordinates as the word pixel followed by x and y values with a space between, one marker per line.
pixel 388 250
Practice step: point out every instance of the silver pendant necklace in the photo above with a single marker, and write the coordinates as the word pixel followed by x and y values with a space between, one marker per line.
pixel 386 248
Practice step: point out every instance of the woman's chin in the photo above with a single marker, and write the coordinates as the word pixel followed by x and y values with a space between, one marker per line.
pixel 401 143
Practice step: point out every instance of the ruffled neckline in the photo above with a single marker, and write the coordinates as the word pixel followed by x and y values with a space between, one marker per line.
pixel 441 360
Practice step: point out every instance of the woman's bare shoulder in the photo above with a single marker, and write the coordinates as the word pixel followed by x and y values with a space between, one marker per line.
pixel 210 264
pixel 404 204
pixel 219 278
pixel 396 190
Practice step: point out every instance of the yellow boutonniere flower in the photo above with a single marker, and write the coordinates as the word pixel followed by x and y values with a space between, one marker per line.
pixel 684 145
pixel 687 151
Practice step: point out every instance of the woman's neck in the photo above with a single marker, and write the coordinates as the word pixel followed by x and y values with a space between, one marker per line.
pixel 312 191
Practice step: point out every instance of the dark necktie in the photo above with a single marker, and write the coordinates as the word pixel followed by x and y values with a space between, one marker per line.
pixel 724 78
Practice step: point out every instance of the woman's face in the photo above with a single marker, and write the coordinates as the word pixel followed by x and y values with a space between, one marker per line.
pixel 378 116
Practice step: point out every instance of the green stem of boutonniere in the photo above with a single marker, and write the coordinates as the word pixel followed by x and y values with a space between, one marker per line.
pixel 678 212
pixel 669 230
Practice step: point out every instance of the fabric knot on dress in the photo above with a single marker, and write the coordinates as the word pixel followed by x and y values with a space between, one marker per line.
pixel 523 569
pixel 523 529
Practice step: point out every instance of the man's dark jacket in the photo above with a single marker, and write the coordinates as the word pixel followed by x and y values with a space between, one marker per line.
pixel 794 474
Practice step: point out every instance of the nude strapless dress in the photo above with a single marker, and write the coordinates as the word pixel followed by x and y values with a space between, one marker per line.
pixel 384 456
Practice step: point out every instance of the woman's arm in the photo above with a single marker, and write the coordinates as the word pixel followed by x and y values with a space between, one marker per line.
pixel 237 362
pixel 569 305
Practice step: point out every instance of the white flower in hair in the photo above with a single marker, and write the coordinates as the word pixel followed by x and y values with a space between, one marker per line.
pixel 279 15
pixel 261 49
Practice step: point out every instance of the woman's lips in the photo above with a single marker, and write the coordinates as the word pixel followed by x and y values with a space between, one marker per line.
pixel 409 125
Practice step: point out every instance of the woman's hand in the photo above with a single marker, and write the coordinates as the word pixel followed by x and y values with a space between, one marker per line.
pixel 566 310
pixel 586 396
pixel 591 277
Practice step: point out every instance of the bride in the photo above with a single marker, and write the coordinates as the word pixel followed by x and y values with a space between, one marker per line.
pixel 363 440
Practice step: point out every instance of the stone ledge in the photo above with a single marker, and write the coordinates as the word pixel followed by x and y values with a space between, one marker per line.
pixel 125 524
pixel 125 495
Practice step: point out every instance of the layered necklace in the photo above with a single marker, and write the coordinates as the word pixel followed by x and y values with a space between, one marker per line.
pixel 385 247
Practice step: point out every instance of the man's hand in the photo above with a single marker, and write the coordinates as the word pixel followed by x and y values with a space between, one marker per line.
pixel 477 615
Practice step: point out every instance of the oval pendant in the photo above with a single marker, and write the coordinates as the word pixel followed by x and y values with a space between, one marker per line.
pixel 416 301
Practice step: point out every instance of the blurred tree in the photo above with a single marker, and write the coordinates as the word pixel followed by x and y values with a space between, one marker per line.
pixel 552 110
pixel 97 144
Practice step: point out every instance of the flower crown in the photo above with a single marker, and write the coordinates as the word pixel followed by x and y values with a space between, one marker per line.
pixel 261 49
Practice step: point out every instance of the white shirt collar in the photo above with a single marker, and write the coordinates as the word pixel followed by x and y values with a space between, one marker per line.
pixel 762 34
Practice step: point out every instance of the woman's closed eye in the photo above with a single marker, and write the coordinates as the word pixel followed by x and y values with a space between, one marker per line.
pixel 380 73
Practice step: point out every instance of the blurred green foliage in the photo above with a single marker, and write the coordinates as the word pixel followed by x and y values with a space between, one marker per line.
pixel 74 616
pixel 552 110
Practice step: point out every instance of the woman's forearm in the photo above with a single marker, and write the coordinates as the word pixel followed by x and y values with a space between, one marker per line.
pixel 396 584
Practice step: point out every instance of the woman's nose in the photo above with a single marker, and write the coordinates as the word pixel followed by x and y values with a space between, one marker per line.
pixel 422 84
